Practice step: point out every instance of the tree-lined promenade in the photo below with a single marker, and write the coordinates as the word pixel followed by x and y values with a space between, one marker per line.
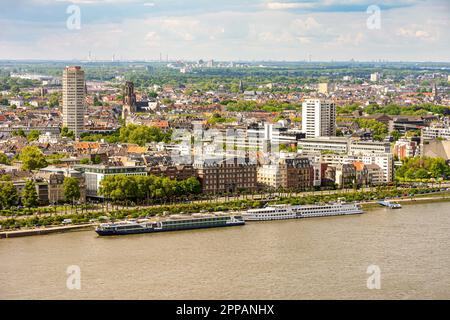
pixel 238 203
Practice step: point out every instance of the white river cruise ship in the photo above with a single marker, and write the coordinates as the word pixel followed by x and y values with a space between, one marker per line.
pixel 283 211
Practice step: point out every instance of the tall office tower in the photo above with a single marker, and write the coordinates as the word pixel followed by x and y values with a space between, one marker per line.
pixel 318 118
pixel 74 91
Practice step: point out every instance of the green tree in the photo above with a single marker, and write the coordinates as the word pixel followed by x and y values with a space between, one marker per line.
pixel 53 100
pixel 423 168
pixel 65 132
pixel 8 195
pixel 395 135
pixel 4 159
pixel 142 134
pixel 97 159
pixel 19 133
pixel 422 174
pixel 138 188
pixel 71 189
pixel 32 158
pixel 439 168
pixel 85 161
pixel 33 135
pixel 29 194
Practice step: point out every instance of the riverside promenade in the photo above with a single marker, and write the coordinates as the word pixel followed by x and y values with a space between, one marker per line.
pixel 45 230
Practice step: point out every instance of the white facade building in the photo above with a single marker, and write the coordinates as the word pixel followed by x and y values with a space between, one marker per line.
pixel 318 118
pixel 271 175
pixel 375 77
pixel 436 131
pixel 384 160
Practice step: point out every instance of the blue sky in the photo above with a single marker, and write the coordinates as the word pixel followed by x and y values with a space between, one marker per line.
pixel 410 30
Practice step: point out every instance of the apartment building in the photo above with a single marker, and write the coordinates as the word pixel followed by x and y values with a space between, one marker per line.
pixel 73 98
pixel 94 174
pixel 318 118
pixel 226 175
pixel 177 172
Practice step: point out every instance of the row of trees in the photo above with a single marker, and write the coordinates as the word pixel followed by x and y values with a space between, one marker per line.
pixel 141 135
pixel 394 110
pixel 9 196
pixel 269 106
pixel 32 158
pixel 138 134
pixel 423 168
pixel 379 129
pixel 140 188
pixel 33 135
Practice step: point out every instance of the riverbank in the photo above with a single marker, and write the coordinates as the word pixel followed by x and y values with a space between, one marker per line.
pixel 45 230
pixel 370 205
pixel 366 205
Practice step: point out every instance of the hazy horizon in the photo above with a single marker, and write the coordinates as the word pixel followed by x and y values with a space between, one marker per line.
pixel 232 30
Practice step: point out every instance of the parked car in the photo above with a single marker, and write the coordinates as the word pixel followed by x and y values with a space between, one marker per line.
pixel 67 221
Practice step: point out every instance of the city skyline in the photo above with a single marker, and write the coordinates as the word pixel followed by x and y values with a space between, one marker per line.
pixel 232 30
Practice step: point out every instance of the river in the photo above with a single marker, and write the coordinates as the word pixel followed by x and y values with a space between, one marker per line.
pixel 317 258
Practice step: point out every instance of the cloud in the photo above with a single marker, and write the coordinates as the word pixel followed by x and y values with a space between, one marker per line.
pixel 153 39
pixel 289 5
pixel 418 32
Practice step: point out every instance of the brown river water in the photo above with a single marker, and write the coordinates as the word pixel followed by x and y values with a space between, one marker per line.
pixel 316 258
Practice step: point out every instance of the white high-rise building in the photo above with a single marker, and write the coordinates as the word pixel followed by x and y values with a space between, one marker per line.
pixel 318 118
pixel 73 97
pixel 375 77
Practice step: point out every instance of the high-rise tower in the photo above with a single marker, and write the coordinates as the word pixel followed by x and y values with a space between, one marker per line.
pixel 73 96
pixel 318 118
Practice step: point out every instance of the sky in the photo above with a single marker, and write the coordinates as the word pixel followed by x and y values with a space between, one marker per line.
pixel 231 30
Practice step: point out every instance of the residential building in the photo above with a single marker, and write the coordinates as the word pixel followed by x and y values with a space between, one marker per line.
pixel 405 148
pixel 366 147
pixel 318 118
pixel 94 174
pixel 178 172
pixel 73 98
pixel 324 144
pixel 226 175
pixel 299 174
pixel 375 77
pixel 271 176
pixel 440 130
pixel 324 87
pixel 343 145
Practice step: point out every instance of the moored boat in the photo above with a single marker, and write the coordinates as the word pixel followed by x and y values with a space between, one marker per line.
pixel 390 204
pixel 173 223
pixel 282 212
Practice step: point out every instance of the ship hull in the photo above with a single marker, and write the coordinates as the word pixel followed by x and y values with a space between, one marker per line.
pixel 152 230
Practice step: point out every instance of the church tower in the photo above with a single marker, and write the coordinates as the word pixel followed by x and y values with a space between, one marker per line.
pixel 129 100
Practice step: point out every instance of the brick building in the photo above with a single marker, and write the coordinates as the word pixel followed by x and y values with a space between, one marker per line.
pixel 226 175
